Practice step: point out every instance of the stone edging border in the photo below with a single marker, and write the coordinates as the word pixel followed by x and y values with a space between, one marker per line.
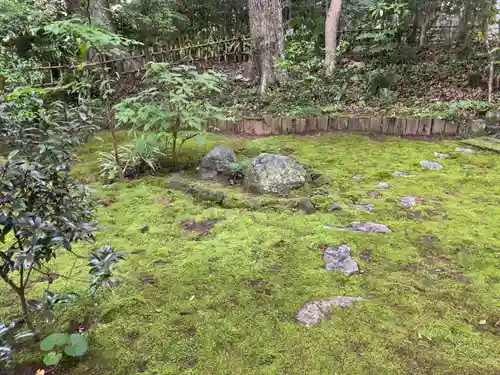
pixel 269 125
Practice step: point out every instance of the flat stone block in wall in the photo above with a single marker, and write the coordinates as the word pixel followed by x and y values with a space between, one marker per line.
pixel 375 125
pixel 411 126
pixel 312 124
pixel 333 124
pixel 364 124
pixel 268 125
pixel 323 123
pixel 384 125
pixel 286 125
pixel 451 128
pixel 424 126
pixel 276 125
pixel 343 123
pixel 255 127
pixel 400 126
pixel 301 125
pixel 391 125
pixel 353 124
pixel 438 126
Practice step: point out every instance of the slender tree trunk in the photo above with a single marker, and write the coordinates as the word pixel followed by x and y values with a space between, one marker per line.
pixel 73 6
pixel 490 32
pixel 465 20
pixel 266 30
pixel 25 309
pixel 331 28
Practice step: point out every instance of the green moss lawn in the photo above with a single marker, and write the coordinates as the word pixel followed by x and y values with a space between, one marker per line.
pixel 225 303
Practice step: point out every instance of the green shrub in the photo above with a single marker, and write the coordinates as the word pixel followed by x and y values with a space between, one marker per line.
pixel 176 105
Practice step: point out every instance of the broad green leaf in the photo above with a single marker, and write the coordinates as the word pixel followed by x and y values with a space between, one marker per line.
pixel 77 345
pixel 55 339
pixel 52 359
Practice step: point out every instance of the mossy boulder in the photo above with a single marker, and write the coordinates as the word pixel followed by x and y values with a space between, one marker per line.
pixel 278 174
pixel 217 161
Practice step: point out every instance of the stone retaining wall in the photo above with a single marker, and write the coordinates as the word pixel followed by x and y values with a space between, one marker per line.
pixel 269 125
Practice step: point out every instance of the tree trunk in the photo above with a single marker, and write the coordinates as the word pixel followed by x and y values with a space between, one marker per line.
pixel 73 6
pixel 331 28
pixel 465 20
pixel 266 30
pixel 100 14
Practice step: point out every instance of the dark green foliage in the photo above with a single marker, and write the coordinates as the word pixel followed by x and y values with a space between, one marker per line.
pixel 102 260
pixel 42 208
pixel 11 333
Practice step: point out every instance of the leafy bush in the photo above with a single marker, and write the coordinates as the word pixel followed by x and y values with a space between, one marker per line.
pixel 176 106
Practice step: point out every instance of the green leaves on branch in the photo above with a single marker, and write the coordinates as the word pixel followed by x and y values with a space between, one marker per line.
pixel 176 104
pixel 88 35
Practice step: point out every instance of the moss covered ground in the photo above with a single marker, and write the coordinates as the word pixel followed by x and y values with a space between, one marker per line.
pixel 225 303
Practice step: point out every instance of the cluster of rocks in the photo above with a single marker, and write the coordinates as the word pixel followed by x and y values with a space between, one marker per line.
pixel 278 174
pixel 267 173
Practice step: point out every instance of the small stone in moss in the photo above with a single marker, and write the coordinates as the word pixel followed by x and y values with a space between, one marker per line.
pixel 307 206
pixel 334 207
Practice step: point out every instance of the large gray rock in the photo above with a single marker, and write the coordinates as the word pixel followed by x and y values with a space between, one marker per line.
pixel 277 174
pixel 339 258
pixel 217 161
pixel 313 312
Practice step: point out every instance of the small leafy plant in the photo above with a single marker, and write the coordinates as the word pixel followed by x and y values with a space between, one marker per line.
pixel 238 170
pixel 175 107
pixel 143 156
pixel 101 265
pixel 57 344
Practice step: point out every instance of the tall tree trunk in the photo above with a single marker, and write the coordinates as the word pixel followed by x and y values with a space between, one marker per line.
pixel 465 21
pixel 266 30
pixel 100 14
pixel 73 6
pixel 331 28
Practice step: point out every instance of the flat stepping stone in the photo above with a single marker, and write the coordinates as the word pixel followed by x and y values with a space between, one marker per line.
pixel 364 207
pixel 382 185
pixel 464 150
pixel 313 312
pixel 441 156
pixel 339 258
pixel 334 207
pixel 367 227
pixel 358 177
pixel 433 165
pixel 408 201
pixel 401 174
